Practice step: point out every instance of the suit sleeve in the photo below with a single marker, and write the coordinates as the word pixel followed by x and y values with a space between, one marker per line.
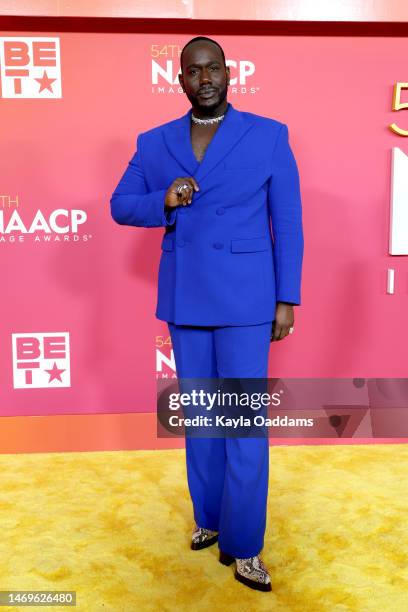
pixel 285 209
pixel 131 202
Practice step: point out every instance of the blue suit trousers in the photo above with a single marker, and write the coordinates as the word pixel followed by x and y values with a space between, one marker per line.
pixel 227 477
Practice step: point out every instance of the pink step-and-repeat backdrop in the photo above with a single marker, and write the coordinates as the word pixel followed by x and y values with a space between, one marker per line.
pixel 78 332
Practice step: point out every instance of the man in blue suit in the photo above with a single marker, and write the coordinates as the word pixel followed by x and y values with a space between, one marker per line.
pixel 216 179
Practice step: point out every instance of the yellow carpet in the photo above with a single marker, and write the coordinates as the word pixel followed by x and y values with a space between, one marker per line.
pixel 115 527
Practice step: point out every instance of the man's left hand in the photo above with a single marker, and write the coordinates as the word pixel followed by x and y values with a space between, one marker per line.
pixel 284 319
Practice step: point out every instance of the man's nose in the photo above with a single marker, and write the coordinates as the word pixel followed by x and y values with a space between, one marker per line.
pixel 205 76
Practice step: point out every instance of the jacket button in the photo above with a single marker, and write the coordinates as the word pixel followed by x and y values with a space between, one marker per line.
pixel 218 245
pixel 220 211
pixel 180 243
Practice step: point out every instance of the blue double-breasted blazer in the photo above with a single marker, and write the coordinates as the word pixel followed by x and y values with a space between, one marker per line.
pixel 221 263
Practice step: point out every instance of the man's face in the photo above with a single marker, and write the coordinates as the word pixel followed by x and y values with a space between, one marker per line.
pixel 205 78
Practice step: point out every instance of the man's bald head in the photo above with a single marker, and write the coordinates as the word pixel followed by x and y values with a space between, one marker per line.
pixel 198 39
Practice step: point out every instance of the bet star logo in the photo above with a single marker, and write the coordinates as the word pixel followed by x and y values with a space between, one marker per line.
pixel 45 82
pixel 41 360
pixel 30 67
pixel 55 372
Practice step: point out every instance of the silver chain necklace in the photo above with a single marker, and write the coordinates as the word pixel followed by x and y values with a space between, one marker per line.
pixel 207 121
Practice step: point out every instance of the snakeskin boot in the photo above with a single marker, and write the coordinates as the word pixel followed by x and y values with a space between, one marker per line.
pixel 251 572
pixel 202 538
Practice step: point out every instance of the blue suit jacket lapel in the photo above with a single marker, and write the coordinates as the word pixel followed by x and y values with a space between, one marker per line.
pixel 177 137
pixel 178 142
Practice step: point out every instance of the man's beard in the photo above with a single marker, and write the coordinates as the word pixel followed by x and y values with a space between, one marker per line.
pixel 208 108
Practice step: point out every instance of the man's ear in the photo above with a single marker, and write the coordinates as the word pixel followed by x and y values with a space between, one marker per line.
pixel 227 70
pixel 181 80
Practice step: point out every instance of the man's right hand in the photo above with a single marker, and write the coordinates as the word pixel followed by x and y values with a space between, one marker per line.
pixel 174 199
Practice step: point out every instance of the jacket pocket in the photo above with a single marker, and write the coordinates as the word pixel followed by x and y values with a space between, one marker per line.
pixel 251 245
pixel 242 165
pixel 167 243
